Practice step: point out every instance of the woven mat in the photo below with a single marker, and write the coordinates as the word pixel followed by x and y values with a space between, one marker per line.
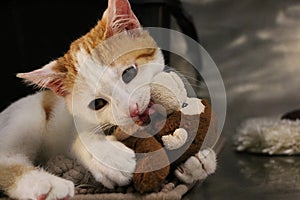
pixel 174 194
pixel 172 190
pixel 86 187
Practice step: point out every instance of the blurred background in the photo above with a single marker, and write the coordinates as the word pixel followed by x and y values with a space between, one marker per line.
pixel 254 43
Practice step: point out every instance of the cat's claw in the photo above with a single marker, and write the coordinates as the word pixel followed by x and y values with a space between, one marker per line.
pixel 197 167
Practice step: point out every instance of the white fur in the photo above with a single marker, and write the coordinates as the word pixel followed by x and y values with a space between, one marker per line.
pixel 25 135
pixel 38 182
pixel 197 167
pixel 108 171
pixel 105 82
pixel 176 140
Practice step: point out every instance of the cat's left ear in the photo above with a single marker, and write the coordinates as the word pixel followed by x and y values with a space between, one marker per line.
pixel 50 76
pixel 119 17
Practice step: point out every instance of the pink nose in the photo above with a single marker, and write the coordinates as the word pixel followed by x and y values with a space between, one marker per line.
pixel 134 110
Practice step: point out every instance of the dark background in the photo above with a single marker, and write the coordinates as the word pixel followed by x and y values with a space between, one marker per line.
pixel 35 32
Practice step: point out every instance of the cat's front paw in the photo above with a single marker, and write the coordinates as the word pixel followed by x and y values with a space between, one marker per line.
pixel 40 185
pixel 110 177
pixel 197 167
pixel 117 168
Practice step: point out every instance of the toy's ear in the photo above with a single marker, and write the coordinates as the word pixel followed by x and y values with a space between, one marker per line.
pixel 50 76
pixel 119 17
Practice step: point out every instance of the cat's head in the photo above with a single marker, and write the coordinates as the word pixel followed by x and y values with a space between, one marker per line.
pixel 105 75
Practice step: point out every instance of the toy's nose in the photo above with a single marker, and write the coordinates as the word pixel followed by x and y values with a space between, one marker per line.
pixel 134 109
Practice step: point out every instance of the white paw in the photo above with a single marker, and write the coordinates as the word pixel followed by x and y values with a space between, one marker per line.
pixel 197 167
pixel 116 168
pixel 110 176
pixel 176 140
pixel 40 185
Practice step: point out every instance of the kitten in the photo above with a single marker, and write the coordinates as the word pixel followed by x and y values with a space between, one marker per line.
pixel 103 79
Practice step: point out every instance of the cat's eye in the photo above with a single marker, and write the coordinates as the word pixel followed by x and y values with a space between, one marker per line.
pixel 129 73
pixel 97 104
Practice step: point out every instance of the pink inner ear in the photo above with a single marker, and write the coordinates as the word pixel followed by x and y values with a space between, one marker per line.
pixel 122 8
pixel 46 77
pixel 120 17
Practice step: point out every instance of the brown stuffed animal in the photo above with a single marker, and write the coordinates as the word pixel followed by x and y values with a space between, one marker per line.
pixel 177 137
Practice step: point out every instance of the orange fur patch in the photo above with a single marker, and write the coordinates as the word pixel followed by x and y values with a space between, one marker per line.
pixel 48 103
pixel 9 175
pixel 139 57
pixel 125 49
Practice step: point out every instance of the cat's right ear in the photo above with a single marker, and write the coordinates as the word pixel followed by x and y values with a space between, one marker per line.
pixel 119 17
pixel 50 76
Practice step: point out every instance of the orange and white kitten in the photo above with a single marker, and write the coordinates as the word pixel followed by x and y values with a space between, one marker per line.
pixel 103 79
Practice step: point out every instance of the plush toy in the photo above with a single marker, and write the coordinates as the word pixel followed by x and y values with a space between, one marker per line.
pixel 176 132
pixel 270 135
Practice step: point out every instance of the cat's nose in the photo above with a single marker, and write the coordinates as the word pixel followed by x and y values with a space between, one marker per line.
pixel 134 109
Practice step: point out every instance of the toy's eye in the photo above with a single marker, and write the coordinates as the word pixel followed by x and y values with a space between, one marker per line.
pixel 184 105
pixel 97 104
pixel 129 73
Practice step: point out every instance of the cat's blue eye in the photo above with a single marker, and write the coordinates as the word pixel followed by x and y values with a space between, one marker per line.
pixel 129 73
pixel 97 104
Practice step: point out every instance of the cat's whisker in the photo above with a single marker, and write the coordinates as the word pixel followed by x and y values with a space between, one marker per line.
pixel 190 77
pixel 98 129
pixel 106 128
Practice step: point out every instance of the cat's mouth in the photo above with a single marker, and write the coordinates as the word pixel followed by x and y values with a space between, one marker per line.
pixel 144 118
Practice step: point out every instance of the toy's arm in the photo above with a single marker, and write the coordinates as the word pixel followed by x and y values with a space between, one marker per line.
pixel 197 167
pixel 192 106
pixel 176 140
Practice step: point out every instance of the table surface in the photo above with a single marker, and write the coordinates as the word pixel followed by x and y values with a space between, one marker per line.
pixel 256 46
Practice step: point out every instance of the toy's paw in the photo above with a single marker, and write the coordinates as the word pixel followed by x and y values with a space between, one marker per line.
pixel 176 140
pixel 197 167
pixel 40 185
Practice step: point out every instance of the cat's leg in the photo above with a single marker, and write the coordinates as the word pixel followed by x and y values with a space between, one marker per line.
pixel 20 180
pixel 197 167
pixel 110 162
pixel 22 133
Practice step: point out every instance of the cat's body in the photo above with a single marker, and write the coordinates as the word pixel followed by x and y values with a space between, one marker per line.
pixel 36 137
pixel 103 79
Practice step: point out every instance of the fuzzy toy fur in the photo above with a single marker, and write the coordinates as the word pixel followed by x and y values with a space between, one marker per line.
pixel 269 135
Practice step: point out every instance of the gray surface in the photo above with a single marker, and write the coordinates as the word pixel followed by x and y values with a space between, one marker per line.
pixel 256 46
